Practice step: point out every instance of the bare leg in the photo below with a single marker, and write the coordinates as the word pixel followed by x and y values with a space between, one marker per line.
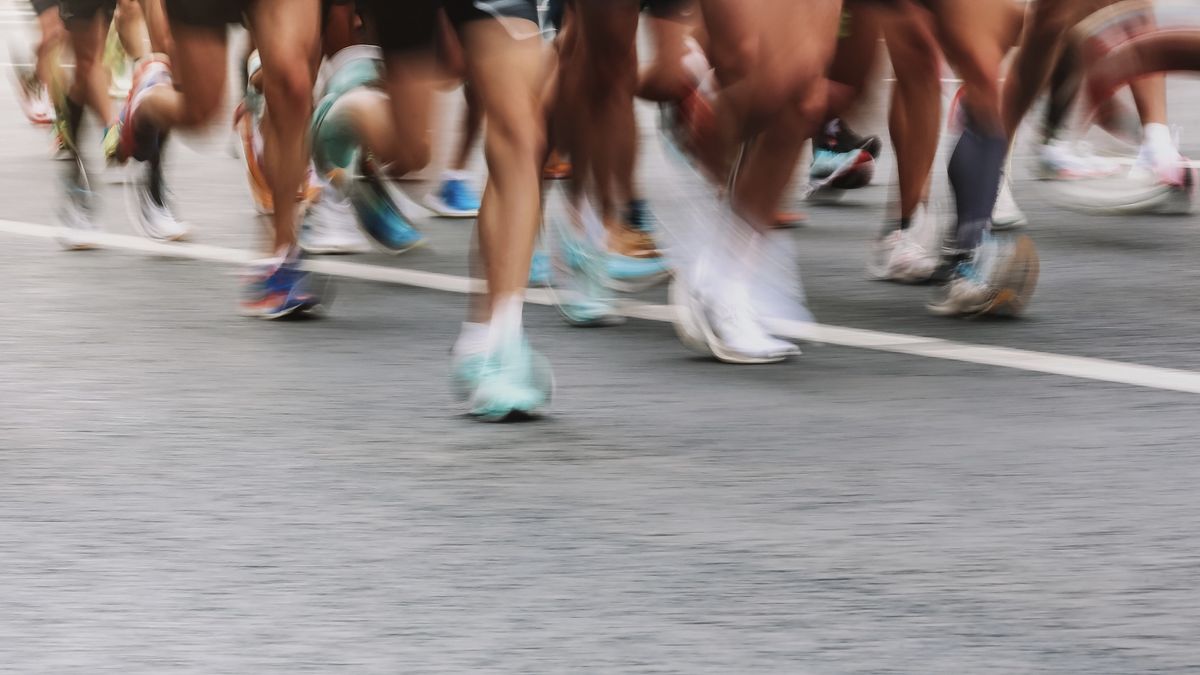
pixel 52 36
pixel 90 86
pixel 916 110
pixel 131 28
pixel 287 33
pixel 507 72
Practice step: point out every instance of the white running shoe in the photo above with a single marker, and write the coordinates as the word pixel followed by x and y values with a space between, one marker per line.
pixel 152 214
pixel 1063 160
pixel 1006 215
pixel 908 256
pixel 75 212
pixel 329 227
pixel 724 325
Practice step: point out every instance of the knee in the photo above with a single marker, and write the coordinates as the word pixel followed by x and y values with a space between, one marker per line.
pixel 517 135
pixel 289 88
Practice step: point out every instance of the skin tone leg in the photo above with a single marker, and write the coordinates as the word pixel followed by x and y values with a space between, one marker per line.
pixel 665 79
pixel 609 81
pixel 856 54
pixel 778 91
pixel 971 33
pixel 471 129
pixel 158 28
pixel 1177 50
pixel 914 118
pixel 90 86
pixel 131 28
pixel 54 34
pixel 507 74
pixel 289 49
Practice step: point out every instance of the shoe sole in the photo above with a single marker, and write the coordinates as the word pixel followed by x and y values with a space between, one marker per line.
pixel 1020 282
pixel 443 210
pixel 637 285
pixel 696 333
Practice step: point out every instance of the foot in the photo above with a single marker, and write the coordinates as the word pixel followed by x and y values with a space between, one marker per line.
pixel 722 323
pixel 454 198
pixel 153 214
pixel 273 290
pixel 1062 160
pixel 909 255
pixel 510 381
pixel 582 286
pixel 847 170
pixel 379 214
pixel 76 210
pixel 539 269
pixel 330 228
pixel 840 138
pixel 998 278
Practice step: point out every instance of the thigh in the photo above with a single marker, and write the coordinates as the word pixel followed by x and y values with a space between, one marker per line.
pixel 79 11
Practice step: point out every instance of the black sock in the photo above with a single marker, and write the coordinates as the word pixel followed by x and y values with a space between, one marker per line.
pixel 1064 86
pixel 74 119
pixel 975 169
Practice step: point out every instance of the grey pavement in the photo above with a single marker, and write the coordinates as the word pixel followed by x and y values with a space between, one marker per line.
pixel 186 491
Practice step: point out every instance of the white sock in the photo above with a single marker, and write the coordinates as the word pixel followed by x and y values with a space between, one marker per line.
pixel 1156 139
pixel 472 339
pixel 505 326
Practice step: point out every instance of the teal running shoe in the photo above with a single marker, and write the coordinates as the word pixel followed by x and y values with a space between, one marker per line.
pixel 512 383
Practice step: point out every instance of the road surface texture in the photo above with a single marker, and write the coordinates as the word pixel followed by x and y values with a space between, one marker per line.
pixel 186 491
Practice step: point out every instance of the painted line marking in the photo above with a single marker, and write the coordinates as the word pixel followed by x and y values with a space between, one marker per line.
pixel 1079 367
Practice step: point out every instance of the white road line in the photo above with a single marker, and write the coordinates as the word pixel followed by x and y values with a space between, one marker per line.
pixel 1101 370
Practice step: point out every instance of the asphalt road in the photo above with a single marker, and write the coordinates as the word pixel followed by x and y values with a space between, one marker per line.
pixel 186 491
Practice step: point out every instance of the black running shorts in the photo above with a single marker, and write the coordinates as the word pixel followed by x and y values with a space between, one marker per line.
pixel 206 13
pixel 663 9
pixel 412 25
pixel 86 10
pixel 40 6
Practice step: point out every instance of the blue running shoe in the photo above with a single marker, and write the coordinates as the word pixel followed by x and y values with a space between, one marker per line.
pixel 454 199
pixel 276 291
pixel 514 382
pixel 622 273
pixel 584 298
pixel 539 269
pixel 378 213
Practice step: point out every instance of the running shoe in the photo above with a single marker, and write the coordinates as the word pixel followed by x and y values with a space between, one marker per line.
pixel 32 95
pixel 329 227
pixel 909 255
pixel 379 214
pixel 511 382
pixel 275 290
pixel 1063 160
pixel 998 278
pixel 840 138
pixel 634 261
pixel 539 269
pixel 454 198
pixel 76 212
pixel 724 324
pixel 140 141
pixel 582 287
pixel 153 215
